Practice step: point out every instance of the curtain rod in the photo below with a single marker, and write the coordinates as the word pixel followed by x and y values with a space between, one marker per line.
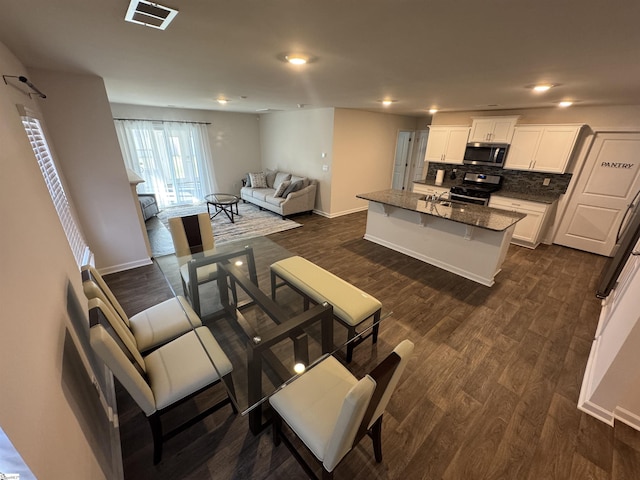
pixel 22 79
pixel 162 121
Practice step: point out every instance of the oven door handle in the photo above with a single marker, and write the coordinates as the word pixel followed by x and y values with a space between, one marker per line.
pixel 464 198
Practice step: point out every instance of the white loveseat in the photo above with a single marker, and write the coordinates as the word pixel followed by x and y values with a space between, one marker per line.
pixel 302 198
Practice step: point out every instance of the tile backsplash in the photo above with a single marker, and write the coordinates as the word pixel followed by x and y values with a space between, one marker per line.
pixel 512 180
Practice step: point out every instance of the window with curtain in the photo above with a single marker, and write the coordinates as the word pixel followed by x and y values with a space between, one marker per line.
pixel 36 136
pixel 173 158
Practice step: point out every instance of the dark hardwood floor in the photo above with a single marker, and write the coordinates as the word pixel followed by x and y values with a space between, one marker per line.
pixel 490 392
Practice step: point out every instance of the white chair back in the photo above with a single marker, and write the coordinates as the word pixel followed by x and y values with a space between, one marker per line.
pixel 98 288
pixel 116 360
pixel 191 234
pixel 404 350
pixel 351 414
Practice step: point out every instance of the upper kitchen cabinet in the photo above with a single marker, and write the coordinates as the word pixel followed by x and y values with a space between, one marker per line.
pixel 542 148
pixel 492 129
pixel 446 144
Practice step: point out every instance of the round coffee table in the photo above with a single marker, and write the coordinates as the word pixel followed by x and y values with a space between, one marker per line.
pixel 222 202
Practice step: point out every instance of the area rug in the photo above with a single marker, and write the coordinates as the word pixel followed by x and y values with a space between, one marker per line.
pixel 251 222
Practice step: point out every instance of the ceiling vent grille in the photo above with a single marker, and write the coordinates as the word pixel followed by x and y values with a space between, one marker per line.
pixel 150 14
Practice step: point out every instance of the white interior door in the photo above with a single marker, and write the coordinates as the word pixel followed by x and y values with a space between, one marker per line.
pixel 401 161
pixel 417 158
pixel 607 184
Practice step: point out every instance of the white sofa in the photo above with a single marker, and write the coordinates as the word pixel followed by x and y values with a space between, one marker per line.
pixel 298 201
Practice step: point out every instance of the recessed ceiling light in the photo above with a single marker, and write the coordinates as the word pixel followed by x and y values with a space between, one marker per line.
pixel 222 100
pixel 433 110
pixel 541 87
pixel 296 59
pixel 386 102
pixel 565 103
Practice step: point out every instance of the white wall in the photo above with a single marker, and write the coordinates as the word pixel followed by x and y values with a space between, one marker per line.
pixel 364 145
pixel 359 147
pixel 78 117
pixel 234 139
pixel 295 141
pixel 40 286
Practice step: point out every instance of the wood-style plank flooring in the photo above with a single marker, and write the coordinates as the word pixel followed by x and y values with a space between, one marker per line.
pixel 490 392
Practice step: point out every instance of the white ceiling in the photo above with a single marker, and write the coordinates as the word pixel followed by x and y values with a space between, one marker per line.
pixel 455 54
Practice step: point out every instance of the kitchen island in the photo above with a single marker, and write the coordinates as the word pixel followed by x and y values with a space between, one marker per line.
pixel 465 239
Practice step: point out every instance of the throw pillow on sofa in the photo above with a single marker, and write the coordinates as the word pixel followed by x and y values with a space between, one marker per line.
pixel 293 187
pixel 281 177
pixel 258 180
pixel 281 189
pixel 304 180
pixel 270 175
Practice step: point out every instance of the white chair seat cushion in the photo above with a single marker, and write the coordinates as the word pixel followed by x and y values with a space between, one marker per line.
pixel 206 273
pixel 311 403
pixel 350 304
pixel 163 322
pixel 181 367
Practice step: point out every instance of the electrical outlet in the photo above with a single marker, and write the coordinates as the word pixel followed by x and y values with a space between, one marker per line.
pixel 546 182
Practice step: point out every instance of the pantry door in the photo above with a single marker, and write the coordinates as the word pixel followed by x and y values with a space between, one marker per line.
pixel 607 184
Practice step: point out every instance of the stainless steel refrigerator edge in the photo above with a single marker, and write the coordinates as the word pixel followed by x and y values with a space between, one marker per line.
pixel 626 240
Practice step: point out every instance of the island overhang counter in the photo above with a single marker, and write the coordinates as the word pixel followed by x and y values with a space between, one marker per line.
pixel 465 239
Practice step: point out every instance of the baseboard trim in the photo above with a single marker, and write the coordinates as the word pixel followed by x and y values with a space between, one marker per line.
pixel 125 266
pixel 340 214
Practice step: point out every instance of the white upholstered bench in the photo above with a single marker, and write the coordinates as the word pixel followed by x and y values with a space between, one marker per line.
pixel 351 306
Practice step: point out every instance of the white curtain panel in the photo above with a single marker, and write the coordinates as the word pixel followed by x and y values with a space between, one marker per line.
pixel 173 158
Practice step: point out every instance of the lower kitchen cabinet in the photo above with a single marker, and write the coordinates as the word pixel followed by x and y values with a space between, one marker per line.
pixel 529 230
pixel 430 190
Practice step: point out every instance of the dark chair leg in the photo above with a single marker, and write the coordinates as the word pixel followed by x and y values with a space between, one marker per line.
pixel 156 431
pixel 351 332
pixel 228 381
pixel 376 326
pixel 276 426
pixel 376 436
pixel 273 286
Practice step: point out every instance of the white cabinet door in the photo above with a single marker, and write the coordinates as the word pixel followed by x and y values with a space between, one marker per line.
pixel 555 148
pixel 542 148
pixel 528 230
pixel 436 144
pixel 457 144
pixel 523 148
pixel 503 129
pixel 446 144
pixel 481 130
pixel 492 129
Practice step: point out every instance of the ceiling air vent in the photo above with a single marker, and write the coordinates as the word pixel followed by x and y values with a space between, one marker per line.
pixel 150 14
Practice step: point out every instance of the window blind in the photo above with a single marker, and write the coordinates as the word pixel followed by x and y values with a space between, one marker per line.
pixel 43 155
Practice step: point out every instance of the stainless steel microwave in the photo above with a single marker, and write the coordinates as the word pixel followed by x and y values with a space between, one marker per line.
pixel 492 154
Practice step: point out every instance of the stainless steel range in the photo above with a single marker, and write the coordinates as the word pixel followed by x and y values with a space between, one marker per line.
pixel 475 188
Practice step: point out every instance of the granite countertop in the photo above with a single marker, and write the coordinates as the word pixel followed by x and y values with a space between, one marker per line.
pixel 530 196
pixel 468 214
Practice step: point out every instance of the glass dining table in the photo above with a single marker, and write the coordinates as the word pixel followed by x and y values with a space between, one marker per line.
pixel 269 343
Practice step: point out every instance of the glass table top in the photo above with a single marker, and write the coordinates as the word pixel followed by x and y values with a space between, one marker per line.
pixel 268 342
